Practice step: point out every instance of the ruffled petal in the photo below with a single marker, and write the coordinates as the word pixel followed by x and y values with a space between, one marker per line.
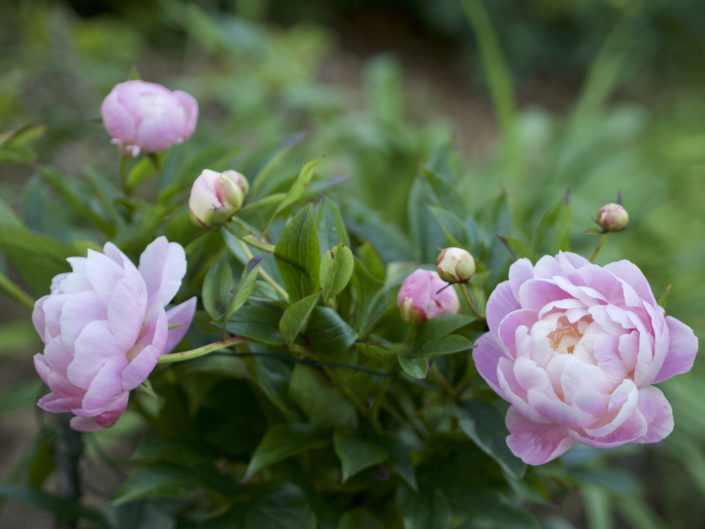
pixel 162 265
pixel 179 317
pixel 682 350
pixel 535 443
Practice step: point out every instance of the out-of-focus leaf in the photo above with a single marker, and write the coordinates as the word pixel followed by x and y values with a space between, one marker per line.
pixel 321 401
pixel 19 395
pixel 414 367
pixel 336 270
pixel 553 232
pixel 273 378
pixel 356 454
pixel 297 255
pixel 157 483
pixel 8 218
pixel 359 518
pixel 441 326
pixel 140 172
pixel 296 316
pixel 327 333
pixel 298 188
pixel 259 322
pixel 285 440
pixel 426 509
pixel 285 508
pixel 67 509
pixel 244 288
pixel 453 343
pixel 485 426
pixel 12 291
pixel 518 248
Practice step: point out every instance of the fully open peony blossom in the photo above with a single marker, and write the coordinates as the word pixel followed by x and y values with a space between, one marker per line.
pixel 423 295
pixel 575 348
pixel 147 117
pixel 105 327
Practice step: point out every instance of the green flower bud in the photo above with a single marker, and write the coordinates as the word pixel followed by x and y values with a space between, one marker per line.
pixel 455 265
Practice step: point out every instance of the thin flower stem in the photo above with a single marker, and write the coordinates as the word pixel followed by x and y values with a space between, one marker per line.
pixel 602 242
pixel 123 176
pixel 263 273
pixel 468 299
pixel 257 243
pixel 200 351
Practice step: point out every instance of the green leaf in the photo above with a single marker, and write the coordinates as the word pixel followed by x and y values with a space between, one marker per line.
pixel 297 189
pixel 140 172
pixel 8 218
pixel 359 518
pixel 518 248
pixel 67 509
pixel 12 291
pixel 336 270
pixel 296 317
pixel 553 232
pixel 297 256
pixel 321 401
pixel 441 326
pixel 245 287
pixel 221 365
pixel 401 463
pixel 286 508
pixel 453 343
pixel 444 192
pixel 454 229
pixel 273 377
pixel 426 509
pixel 216 285
pixel 157 483
pixel 485 426
pixel 329 225
pixel 259 322
pixel 282 441
pixel 20 395
pixel 327 333
pixel 414 367
pixel 356 454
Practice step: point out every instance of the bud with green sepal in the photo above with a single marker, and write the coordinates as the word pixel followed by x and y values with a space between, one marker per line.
pixel 216 197
pixel 455 265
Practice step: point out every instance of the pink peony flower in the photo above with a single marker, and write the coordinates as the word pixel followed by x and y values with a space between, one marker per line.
pixel 147 117
pixel 419 299
pixel 575 348
pixel 105 327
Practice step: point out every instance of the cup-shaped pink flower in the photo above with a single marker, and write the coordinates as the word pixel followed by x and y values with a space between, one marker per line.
pixel 216 197
pixel 104 327
pixel 575 348
pixel 423 295
pixel 148 117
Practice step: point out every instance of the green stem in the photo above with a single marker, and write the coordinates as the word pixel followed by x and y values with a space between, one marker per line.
pixel 200 351
pixel 123 176
pixel 264 274
pixel 257 243
pixel 602 242
pixel 468 299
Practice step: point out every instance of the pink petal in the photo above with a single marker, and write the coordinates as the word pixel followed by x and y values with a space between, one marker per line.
pixel 163 265
pixel 537 293
pixel 629 431
pixel 149 348
pixel 105 387
pixel 500 303
pixel 521 271
pixel 38 317
pixel 623 401
pixel 57 404
pixel 57 356
pixel 179 315
pixel 78 311
pixel 508 327
pixel 126 310
pixel 116 120
pixel 103 273
pixel 657 412
pixel 94 346
pixel 630 274
pixel 555 410
pixel 190 106
pixel 682 350
pixel 486 354
pixel 535 443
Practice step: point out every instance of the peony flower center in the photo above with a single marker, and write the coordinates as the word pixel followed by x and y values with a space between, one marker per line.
pixel 566 335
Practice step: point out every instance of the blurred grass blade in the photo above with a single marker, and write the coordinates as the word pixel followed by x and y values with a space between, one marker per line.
pixel 11 290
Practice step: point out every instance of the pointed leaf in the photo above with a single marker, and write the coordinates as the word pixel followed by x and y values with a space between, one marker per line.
pixel 296 317
pixel 356 454
pixel 336 270
pixel 297 256
pixel 285 440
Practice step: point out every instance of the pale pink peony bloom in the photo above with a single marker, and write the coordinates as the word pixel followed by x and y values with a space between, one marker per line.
pixel 575 348
pixel 216 197
pixel 419 298
pixel 147 117
pixel 105 327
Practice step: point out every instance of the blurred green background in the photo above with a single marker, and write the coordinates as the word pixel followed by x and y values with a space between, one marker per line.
pixel 535 98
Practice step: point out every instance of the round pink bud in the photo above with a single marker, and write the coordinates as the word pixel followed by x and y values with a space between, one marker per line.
pixel 147 117
pixel 455 265
pixel 104 326
pixel 612 217
pixel 423 296
pixel 216 197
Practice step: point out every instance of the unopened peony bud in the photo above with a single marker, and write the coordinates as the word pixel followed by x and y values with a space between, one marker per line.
pixel 424 296
pixel 612 217
pixel 216 197
pixel 147 117
pixel 455 265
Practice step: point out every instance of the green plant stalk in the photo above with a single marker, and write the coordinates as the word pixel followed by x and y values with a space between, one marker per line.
pixel 11 290
pixel 468 299
pixel 123 176
pixel 602 242
pixel 264 274
pixel 257 243
pixel 499 84
pixel 200 351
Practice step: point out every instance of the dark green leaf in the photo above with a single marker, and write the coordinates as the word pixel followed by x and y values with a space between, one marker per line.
pixel 426 509
pixel 441 326
pixel 414 367
pixel 298 188
pixel 485 426
pixel 453 343
pixel 329 225
pixel 553 232
pixel 273 377
pixel 285 440
pixel 336 270
pixel 216 286
pixel 297 255
pixel 244 287
pixel 320 400
pixel 327 333
pixel 259 322
pixel 157 483
pixel 287 508
pixel 359 518
pixel 518 248
pixel 296 317
pixel 356 454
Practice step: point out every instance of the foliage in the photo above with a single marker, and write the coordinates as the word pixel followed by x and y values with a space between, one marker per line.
pixel 330 412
